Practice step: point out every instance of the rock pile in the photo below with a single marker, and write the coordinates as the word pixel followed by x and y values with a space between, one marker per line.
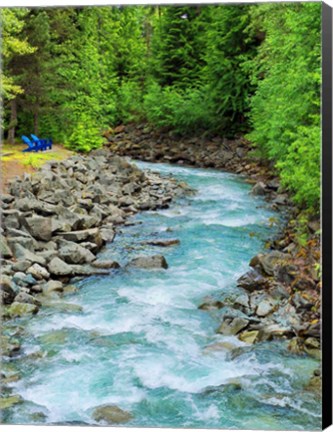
pixel 271 307
pixel 55 221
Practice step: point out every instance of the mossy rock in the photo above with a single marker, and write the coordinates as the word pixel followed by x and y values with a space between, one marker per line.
pixel 249 337
pixel 21 309
pixel 111 414
pixel 7 402
pixel 55 337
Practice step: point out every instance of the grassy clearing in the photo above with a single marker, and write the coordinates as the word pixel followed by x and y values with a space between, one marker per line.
pixel 15 163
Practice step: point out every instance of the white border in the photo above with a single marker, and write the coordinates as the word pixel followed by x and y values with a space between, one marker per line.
pixel 50 3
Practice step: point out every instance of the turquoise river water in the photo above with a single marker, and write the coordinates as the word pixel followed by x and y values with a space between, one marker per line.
pixel 141 342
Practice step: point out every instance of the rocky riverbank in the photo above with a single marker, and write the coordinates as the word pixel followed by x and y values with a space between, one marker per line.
pixel 282 290
pixel 55 221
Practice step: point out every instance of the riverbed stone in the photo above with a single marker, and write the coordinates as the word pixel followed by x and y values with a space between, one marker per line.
pixel 270 262
pixel 232 326
pixel 9 401
pixel 17 309
pixel 39 227
pixel 21 265
pixel 5 250
pixel 252 281
pixel 163 243
pixel 73 253
pixel 7 290
pixel 106 264
pixel 53 286
pixel 149 262
pixel 249 336
pixel 38 272
pixel 25 254
pixel 23 297
pixel 58 267
pixel 265 307
pixel 111 414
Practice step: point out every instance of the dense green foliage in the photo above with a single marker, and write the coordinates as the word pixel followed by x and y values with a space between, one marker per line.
pixel 70 73
pixel 285 110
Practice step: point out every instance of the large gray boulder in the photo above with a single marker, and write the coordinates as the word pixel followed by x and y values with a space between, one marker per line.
pixel 73 253
pixel 149 262
pixel 39 227
pixel 91 235
pixel 25 254
pixel 38 272
pixel 59 267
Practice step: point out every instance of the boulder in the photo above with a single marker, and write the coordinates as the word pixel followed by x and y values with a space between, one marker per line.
pixel 39 227
pixel 25 254
pixel 9 401
pixel 21 265
pixel 7 290
pixel 91 235
pixel 252 281
pixel 73 253
pixel 149 262
pixel 107 234
pixel 211 305
pixel 232 326
pixel 249 336
pixel 270 262
pixel 58 267
pixel 38 272
pixel 17 309
pixel 265 307
pixel 259 189
pixel 111 414
pixel 23 297
pixel 5 250
pixel 23 279
pixel 53 286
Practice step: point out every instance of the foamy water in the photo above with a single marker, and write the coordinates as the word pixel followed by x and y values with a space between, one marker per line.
pixel 142 343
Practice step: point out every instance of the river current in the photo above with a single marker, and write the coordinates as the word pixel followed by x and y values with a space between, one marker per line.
pixel 140 341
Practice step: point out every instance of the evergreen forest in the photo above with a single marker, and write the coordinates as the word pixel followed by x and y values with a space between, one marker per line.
pixel 249 70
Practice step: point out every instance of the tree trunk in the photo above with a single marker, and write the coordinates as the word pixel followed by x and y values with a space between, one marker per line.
pixel 13 121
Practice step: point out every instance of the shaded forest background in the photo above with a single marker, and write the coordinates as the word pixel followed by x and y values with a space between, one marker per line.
pixel 252 70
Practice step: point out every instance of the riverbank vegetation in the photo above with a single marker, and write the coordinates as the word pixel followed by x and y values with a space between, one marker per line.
pixel 227 70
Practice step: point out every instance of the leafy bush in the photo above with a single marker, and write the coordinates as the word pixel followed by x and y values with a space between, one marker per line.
pixel 184 111
pixel 129 102
pixel 285 110
pixel 85 136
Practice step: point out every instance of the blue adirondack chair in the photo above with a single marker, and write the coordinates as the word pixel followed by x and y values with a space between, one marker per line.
pixel 46 143
pixel 32 147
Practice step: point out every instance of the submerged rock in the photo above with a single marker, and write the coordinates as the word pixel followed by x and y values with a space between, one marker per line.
pixel 163 243
pixel 7 402
pixel 249 336
pixel 232 326
pixel 20 309
pixel 111 414
pixel 155 261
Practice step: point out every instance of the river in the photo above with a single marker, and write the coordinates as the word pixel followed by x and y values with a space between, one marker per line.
pixel 141 342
